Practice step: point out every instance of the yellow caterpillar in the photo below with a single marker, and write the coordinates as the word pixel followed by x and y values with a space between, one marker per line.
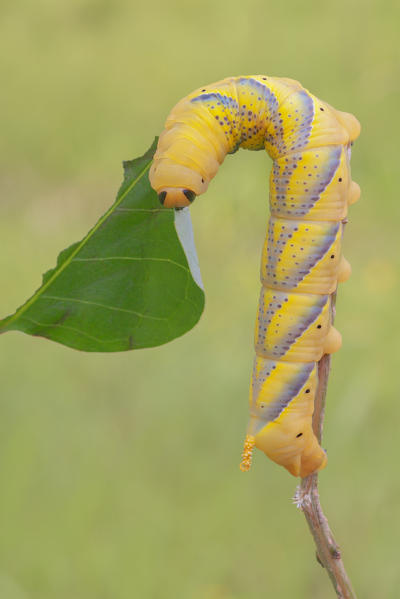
pixel 310 190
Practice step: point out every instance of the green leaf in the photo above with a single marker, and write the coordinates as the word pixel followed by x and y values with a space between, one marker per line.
pixel 132 282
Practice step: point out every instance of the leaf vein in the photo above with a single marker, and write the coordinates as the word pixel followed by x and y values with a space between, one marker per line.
pixel 131 258
pixel 64 265
pixel 90 303
pixel 63 326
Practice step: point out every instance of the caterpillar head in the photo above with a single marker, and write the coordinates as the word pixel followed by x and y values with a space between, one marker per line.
pixel 175 197
pixel 176 185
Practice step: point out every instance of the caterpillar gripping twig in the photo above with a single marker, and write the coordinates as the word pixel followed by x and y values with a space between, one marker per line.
pixel 302 263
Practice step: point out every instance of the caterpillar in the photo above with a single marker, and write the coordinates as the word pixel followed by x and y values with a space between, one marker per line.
pixel 302 263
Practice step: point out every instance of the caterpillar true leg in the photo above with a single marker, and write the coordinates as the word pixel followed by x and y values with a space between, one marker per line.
pixel 302 263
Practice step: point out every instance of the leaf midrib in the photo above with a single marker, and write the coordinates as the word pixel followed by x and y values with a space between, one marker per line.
pixel 43 288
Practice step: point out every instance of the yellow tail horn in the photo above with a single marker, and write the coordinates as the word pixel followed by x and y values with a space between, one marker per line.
pixel 249 443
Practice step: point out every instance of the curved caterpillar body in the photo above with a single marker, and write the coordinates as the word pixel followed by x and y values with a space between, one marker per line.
pixel 310 190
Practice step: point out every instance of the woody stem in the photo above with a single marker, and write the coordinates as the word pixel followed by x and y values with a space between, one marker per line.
pixel 307 498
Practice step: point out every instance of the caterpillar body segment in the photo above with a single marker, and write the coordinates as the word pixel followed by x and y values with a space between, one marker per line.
pixel 281 407
pixel 302 263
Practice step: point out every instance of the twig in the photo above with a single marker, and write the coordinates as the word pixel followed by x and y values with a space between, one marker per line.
pixel 307 498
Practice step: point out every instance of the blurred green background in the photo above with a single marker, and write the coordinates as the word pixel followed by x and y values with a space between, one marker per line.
pixel 119 473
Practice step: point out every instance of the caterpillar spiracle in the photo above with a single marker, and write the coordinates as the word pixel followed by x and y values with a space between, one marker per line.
pixel 302 263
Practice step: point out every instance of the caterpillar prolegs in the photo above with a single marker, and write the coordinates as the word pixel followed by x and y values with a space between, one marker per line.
pixel 310 190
